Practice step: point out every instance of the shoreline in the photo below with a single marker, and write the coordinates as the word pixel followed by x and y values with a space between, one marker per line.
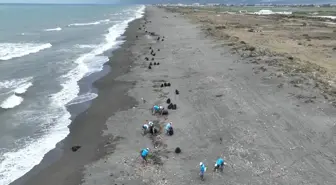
pixel 266 134
pixel 96 111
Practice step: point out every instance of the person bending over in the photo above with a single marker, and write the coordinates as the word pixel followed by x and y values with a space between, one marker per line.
pixel 144 154
pixel 219 164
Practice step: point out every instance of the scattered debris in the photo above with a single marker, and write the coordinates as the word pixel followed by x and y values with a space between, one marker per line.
pixel 75 148
pixel 178 150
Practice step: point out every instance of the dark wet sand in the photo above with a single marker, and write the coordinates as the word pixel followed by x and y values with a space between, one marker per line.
pixel 61 166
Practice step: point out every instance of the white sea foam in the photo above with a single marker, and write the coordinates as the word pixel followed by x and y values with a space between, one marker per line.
pixel 14 83
pixel 95 64
pixel 18 162
pixel 15 87
pixel 84 46
pixel 54 29
pixel 11 102
pixel 90 23
pixel 15 50
pixel 23 88
pixel 83 98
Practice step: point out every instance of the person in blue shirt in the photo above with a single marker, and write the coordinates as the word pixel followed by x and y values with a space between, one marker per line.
pixel 169 129
pixel 219 164
pixel 144 154
pixel 157 109
pixel 202 170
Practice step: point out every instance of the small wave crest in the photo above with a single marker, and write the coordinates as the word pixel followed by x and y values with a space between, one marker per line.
pixel 84 46
pixel 83 98
pixel 90 23
pixel 23 88
pixel 14 83
pixel 16 50
pixel 11 102
pixel 54 29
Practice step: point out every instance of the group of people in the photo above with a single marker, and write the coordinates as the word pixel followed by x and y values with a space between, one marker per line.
pixel 148 126
pixel 219 165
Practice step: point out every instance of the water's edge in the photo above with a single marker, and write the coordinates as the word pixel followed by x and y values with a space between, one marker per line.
pixel 54 161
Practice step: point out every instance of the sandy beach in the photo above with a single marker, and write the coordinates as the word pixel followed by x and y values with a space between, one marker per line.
pixel 269 128
pixel 267 134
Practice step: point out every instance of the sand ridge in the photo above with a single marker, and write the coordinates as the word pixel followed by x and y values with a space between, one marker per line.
pixel 266 134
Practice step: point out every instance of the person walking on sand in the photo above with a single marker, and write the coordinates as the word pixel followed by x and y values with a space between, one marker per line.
pixel 202 170
pixel 144 154
pixel 219 164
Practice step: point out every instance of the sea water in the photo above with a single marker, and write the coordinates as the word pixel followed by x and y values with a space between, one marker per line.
pixel 44 51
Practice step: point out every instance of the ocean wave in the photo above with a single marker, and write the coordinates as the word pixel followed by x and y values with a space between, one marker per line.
pixel 84 46
pixel 11 102
pixel 14 83
pixel 95 64
pixel 90 23
pixel 23 88
pixel 53 29
pixel 16 50
pixel 83 98
pixel 18 162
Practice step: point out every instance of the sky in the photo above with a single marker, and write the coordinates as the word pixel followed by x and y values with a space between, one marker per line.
pixel 161 1
pixel 60 1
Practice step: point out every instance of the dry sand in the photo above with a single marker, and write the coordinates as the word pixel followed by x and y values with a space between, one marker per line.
pixel 297 45
pixel 268 128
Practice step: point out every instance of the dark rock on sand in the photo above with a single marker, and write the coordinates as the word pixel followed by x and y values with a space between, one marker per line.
pixel 168 101
pixel 170 106
pixel 162 40
pixel 136 36
pixel 165 112
pixel 158 49
pixel 153 54
pixel 146 58
pixel 165 84
pixel 149 67
pixel 178 150
pixel 174 107
pixel 158 38
pixel 154 63
pixel 161 85
pixel 152 58
pixel 150 63
pixel 168 84
pixel 75 148
pixel 177 92
pixel 158 63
